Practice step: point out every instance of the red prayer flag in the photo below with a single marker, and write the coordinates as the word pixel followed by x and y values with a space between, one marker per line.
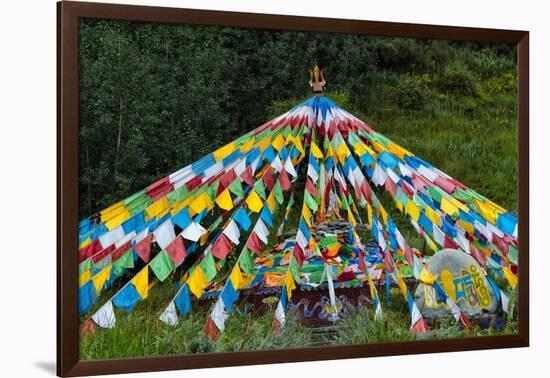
pixel 87 328
pixel 193 183
pixel 120 251
pixel 391 187
pixel 246 176
pixel 268 179
pixel 448 243
pixel 298 255
pixel 90 250
pixel 388 261
pixel 311 188
pixel 420 327
pixel 100 255
pixel 276 327
pixel 361 263
pixel 221 247
pixel 283 180
pixel 210 329
pixel 177 251
pixel 143 248
pixel 478 255
pixel 227 179
pixel 464 320
pixel 254 243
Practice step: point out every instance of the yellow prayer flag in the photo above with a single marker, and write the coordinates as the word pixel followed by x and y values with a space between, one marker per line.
pixel 117 220
pixel 264 142
pixel 448 207
pixel 197 282
pixel 204 238
pixel 112 210
pixel 412 210
pixel 369 214
pixel 84 277
pixel 298 143
pixel 100 278
pixel 510 277
pixel 141 282
pixel 351 218
pixel 271 202
pixel 279 142
pixel 290 285
pixel 200 203
pixel 154 209
pixel 433 215
pixel 401 284
pixel 224 200
pixel 85 243
pixel 248 145
pixel 398 150
pixel 359 148
pixel 426 276
pixel 384 215
pixel 315 150
pixel 236 277
pixel 254 202
pixel 468 227
pixel 306 213
pixel 342 152
pixel 223 152
pixel 399 205
pixel 488 212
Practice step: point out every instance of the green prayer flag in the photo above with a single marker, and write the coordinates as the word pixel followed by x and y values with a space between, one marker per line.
pixel 126 261
pixel 245 261
pixel 435 193
pixel 178 195
pixel 513 254
pixel 260 188
pixel 278 192
pixel 84 266
pixel 162 265
pixel 236 188
pixel 463 195
pixel 310 202
pixel 136 197
pixel 138 206
pixel 208 266
pixel 212 190
pixel 295 270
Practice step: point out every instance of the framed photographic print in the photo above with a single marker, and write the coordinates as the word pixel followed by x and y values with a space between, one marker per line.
pixel 238 188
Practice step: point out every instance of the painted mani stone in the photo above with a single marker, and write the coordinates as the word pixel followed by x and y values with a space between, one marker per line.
pixel 462 279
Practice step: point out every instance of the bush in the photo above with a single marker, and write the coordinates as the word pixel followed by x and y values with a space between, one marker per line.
pixel 458 81
pixel 410 93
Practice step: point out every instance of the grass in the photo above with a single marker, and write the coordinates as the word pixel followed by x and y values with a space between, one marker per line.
pixel 142 334
pixel 470 136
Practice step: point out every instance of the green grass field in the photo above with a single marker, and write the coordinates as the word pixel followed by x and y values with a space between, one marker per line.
pixel 462 120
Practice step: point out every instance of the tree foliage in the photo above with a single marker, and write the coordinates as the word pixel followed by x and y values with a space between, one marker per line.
pixel 155 97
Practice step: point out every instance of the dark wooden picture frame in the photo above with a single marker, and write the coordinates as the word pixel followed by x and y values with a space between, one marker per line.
pixel 68 13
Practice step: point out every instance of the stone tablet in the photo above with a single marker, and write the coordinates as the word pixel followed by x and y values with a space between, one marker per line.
pixel 463 280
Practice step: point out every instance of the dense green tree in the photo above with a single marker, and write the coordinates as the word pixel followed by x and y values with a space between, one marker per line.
pixel 155 97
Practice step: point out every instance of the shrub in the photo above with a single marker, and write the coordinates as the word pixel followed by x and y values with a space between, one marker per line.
pixel 458 81
pixel 410 93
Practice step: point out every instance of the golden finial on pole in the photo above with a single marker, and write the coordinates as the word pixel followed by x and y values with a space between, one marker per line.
pixel 317 80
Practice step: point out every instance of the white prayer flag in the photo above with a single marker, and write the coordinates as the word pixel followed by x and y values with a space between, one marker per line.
pixel 170 316
pixel 105 316
pixel 112 236
pixel 165 234
pixel 232 232
pixel 193 232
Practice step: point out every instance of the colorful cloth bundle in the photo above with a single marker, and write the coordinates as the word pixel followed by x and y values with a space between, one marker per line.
pixel 228 201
